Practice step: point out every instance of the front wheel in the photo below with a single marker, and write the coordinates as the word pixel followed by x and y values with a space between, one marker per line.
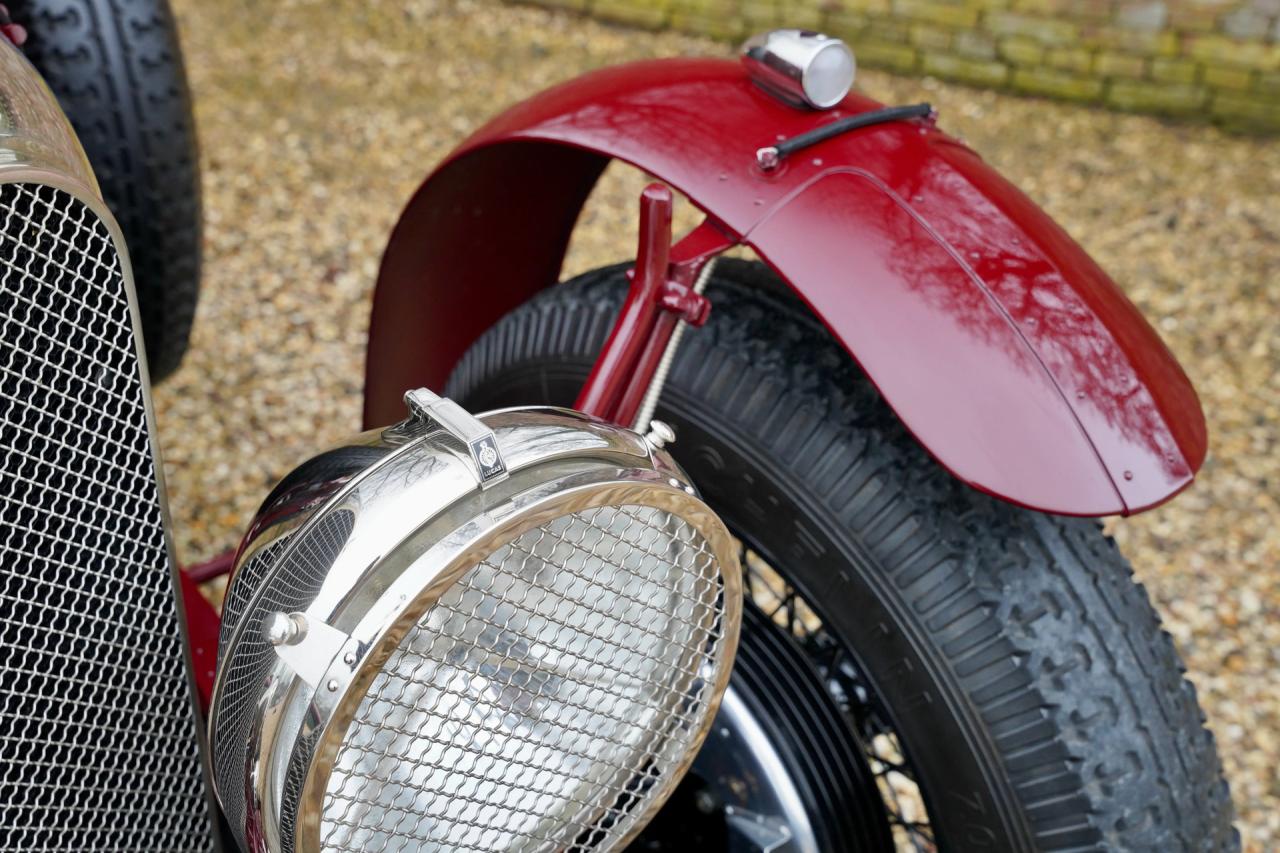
pixel 924 661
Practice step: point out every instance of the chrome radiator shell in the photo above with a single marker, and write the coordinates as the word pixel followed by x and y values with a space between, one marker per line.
pixel 366 538
pixel 97 713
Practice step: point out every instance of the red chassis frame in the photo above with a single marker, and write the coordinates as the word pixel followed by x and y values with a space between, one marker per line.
pixel 1009 354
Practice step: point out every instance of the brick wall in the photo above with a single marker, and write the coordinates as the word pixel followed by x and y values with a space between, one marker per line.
pixel 1218 59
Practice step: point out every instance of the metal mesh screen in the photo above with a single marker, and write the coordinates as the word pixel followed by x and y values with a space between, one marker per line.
pixel 544 700
pixel 303 559
pixel 96 723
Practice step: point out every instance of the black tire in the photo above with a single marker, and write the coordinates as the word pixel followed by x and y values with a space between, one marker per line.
pixel 1038 698
pixel 116 68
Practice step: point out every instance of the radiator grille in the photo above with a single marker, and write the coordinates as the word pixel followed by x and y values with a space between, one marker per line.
pixel 96 725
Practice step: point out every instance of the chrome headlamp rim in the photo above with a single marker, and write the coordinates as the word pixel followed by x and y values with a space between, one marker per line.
pixel 522 448
pixel 521 451
pixel 528 436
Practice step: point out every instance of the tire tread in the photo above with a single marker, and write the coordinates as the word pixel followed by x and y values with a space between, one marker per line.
pixel 116 69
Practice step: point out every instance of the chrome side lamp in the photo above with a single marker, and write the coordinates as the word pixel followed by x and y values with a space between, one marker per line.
pixel 801 67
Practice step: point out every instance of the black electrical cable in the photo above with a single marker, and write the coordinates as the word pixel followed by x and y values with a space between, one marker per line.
pixel 835 128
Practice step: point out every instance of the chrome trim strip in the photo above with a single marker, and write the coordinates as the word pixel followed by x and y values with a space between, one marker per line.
pixel 34 132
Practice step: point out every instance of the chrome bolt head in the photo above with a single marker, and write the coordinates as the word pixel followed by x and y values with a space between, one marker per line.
pixel 284 629
pixel 659 435
pixel 768 158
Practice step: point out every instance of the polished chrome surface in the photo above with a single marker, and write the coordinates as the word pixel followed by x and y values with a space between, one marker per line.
pixel 310 651
pixel 660 434
pixel 769 814
pixel 34 132
pixel 368 543
pixel 462 425
pixel 801 67
pixel 284 629
pixel 101 748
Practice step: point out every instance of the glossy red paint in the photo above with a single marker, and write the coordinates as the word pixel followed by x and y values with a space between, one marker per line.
pixel 637 323
pixel 634 391
pixel 660 295
pixel 202 634
pixel 1000 344
pixel 14 32
pixel 210 569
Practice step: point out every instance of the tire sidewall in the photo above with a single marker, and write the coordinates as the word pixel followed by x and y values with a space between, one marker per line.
pixel 760 500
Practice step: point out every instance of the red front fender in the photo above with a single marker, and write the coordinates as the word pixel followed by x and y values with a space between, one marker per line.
pixel 1000 344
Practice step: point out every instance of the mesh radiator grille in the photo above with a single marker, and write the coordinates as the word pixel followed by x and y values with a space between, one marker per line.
pixel 544 700
pixel 96 724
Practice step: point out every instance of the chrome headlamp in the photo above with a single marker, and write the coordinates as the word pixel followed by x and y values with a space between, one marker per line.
pixel 497 633
pixel 801 67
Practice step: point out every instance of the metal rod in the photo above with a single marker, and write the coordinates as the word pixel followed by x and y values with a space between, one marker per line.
pixel 210 569
pixel 617 361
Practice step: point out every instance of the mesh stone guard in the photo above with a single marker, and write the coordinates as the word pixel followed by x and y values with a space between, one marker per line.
pixel 561 678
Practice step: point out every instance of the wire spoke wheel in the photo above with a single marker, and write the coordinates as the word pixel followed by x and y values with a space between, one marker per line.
pixel 850 691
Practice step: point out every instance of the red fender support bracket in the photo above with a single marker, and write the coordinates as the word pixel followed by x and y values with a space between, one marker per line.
pixel 1000 344
pixel 661 294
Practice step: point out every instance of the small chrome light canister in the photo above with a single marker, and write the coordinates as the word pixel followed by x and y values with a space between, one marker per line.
pixel 508 632
pixel 801 67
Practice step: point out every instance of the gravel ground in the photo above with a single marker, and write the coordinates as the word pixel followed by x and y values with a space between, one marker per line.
pixel 318 119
